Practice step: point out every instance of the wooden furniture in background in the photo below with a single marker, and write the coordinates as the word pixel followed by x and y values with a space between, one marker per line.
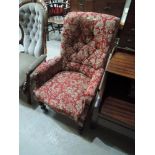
pixel 82 5
pixel 127 35
pixel 122 64
pixel 119 111
pixel 112 7
pixel 117 104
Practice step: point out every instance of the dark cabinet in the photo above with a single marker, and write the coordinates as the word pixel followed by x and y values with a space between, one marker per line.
pixel 112 7
pixel 82 5
pixel 116 108
pixel 127 35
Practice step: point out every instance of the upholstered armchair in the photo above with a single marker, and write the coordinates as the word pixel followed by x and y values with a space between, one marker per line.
pixel 33 22
pixel 68 84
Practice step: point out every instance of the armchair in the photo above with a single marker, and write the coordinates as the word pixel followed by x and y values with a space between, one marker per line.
pixel 32 23
pixel 68 84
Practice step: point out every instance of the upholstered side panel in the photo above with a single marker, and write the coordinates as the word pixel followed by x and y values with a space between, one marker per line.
pixel 31 18
pixel 24 62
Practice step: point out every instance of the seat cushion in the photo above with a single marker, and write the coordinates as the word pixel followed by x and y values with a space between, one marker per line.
pixel 64 93
pixel 25 60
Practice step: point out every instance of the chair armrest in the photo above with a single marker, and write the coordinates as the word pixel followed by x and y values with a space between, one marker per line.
pixel 32 67
pixel 94 83
pixel 46 70
pixel 36 63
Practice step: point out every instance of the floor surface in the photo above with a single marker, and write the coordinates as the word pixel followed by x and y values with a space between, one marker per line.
pixel 53 134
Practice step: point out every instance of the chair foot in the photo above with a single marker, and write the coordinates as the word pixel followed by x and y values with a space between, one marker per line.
pixel 25 87
pixel 92 125
pixel 80 129
pixel 43 107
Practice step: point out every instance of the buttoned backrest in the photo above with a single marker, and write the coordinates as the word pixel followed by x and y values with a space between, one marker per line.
pixel 86 39
pixel 32 18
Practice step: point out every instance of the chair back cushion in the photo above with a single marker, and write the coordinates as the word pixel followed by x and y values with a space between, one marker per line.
pixel 32 21
pixel 86 39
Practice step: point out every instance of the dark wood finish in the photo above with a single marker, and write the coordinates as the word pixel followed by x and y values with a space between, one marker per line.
pixel 119 111
pixel 80 129
pixel 89 5
pixel 127 35
pixel 112 7
pixel 43 107
pixel 115 107
pixel 82 5
pixel 123 64
pixel 74 5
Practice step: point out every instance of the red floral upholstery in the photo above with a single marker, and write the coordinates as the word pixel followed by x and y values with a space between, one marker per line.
pixel 94 82
pixel 68 84
pixel 46 70
pixel 64 93
pixel 87 37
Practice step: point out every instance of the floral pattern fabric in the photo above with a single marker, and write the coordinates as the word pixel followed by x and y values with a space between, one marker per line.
pixel 95 80
pixel 46 70
pixel 64 93
pixel 87 37
pixel 68 84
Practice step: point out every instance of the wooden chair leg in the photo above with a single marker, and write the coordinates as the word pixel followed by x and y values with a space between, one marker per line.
pixel 83 120
pixel 43 107
pixel 80 130
pixel 81 126
pixel 93 125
